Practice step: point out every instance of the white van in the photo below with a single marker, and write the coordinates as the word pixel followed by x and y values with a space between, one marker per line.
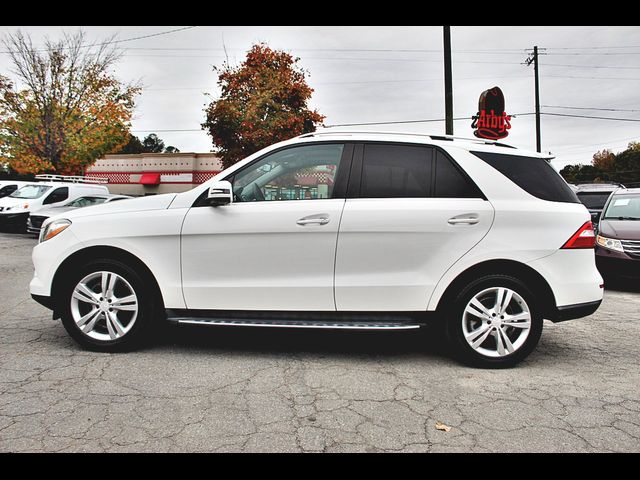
pixel 31 197
pixel 7 187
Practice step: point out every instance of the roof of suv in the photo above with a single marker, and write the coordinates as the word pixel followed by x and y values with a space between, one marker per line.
pixel 432 139
pixel 598 187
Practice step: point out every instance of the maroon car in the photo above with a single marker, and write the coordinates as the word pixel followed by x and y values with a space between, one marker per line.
pixel 618 240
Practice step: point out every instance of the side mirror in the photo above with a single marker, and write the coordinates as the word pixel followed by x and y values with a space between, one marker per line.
pixel 220 193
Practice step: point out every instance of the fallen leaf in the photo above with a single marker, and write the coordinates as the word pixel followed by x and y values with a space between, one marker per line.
pixel 441 426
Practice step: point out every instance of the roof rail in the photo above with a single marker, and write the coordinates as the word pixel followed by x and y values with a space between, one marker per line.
pixel 71 179
pixel 409 134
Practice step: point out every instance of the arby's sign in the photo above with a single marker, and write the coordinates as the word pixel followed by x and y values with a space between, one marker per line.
pixel 491 121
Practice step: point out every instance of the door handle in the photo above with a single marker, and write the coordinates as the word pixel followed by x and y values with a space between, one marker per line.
pixel 464 219
pixel 321 219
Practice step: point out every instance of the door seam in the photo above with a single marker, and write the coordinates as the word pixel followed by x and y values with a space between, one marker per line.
pixel 335 255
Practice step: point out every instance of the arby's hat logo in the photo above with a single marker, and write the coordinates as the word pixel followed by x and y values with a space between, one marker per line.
pixel 491 122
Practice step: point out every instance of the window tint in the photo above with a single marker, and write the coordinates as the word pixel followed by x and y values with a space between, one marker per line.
pixel 298 173
pixel 594 200
pixel 58 195
pixel 534 175
pixel 7 190
pixel 86 201
pixel 451 182
pixel 30 192
pixel 392 171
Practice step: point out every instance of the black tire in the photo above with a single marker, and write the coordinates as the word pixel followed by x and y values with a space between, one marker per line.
pixel 454 323
pixel 149 305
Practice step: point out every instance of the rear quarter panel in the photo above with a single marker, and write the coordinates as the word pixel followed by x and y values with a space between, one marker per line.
pixel 525 228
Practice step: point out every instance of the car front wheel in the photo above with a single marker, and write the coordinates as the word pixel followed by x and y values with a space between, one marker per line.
pixel 495 322
pixel 107 307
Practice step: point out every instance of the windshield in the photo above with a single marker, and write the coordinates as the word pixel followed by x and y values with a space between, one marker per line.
pixel 594 200
pixel 86 201
pixel 30 191
pixel 623 207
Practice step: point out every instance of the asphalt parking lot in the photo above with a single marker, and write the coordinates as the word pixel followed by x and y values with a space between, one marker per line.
pixel 253 390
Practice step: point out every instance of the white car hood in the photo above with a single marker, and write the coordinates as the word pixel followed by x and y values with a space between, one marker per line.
pixel 152 202
pixel 10 202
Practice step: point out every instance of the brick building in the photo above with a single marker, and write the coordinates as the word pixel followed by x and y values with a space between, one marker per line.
pixel 153 173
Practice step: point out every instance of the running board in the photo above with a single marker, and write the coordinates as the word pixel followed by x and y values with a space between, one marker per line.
pixel 295 324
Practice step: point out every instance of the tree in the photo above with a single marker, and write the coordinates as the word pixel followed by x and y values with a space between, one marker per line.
pixel 263 101
pixel 153 144
pixel 69 109
pixel 604 160
pixel 133 145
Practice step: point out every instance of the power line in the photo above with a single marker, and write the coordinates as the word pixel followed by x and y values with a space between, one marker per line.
pixel 405 122
pixel 141 37
pixel 591 117
pixel 590 66
pixel 594 48
pixel 355 82
pixel 429 120
pixel 592 108
pixel 167 130
pixel 166 32
pixel 590 78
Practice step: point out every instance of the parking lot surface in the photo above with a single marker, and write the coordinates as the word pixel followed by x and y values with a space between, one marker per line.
pixel 213 389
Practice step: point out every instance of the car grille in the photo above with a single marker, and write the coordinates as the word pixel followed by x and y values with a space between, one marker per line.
pixel 631 247
pixel 36 221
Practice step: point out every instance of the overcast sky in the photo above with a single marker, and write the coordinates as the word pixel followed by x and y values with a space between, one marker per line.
pixel 379 74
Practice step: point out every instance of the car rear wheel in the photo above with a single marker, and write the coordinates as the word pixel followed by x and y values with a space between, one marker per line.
pixel 494 322
pixel 107 307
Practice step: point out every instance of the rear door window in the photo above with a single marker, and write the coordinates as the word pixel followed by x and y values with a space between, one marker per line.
pixel 450 182
pixel 58 195
pixel 534 175
pixel 396 171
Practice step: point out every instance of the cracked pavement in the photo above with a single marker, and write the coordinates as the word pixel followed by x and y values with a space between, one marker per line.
pixel 262 390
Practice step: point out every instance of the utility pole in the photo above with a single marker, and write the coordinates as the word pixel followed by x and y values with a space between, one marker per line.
pixel 533 58
pixel 448 81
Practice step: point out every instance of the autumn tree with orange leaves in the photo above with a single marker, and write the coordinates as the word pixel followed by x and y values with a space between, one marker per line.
pixel 66 108
pixel 262 101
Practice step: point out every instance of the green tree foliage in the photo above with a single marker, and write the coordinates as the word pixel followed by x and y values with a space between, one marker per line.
pixel 151 144
pixel 133 145
pixel 263 101
pixel 623 167
pixel 69 109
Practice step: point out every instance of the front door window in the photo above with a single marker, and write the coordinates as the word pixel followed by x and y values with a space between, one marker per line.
pixel 300 173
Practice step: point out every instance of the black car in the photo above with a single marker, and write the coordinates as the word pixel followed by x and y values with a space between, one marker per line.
pixel 594 196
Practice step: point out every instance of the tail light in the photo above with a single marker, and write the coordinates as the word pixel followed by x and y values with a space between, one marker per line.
pixel 585 237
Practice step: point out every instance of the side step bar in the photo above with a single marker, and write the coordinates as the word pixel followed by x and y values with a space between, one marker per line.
pixel 295 324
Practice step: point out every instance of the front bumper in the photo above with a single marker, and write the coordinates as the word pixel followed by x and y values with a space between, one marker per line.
pixel 617 264
pixel 11 219
pixel 43 300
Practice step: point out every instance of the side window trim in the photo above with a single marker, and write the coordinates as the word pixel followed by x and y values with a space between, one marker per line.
pixel 343 175
pixel 355 179
pixel 54 192
pixel 464 174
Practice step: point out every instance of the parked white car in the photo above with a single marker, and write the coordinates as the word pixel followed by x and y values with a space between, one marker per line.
pixel 335 230
pixel 33 196
pixel 35 220
pixel 7 187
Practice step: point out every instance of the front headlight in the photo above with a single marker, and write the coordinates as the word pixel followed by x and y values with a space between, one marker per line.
pixel 54 228
pixel 16 207
pixel 609 243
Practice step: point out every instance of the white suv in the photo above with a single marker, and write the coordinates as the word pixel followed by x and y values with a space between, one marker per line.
pixel 335 230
